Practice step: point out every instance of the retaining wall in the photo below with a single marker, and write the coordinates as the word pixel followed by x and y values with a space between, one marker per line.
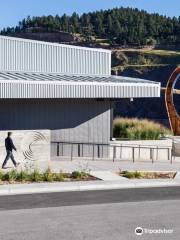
pixel 33 147
pixel 154 150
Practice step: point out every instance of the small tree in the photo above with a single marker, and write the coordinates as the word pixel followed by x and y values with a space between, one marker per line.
pixel 151 42
pixel 119 58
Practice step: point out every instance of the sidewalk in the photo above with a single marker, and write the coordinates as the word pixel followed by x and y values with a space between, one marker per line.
pixel 108 165
pixel 104 165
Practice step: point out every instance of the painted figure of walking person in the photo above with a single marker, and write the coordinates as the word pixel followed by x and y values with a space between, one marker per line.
pixel 9 148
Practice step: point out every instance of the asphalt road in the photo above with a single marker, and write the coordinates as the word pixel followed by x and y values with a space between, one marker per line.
pixel 106 215
pixel 43 200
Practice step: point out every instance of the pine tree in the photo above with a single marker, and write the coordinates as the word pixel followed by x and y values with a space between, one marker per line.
pixel 120 25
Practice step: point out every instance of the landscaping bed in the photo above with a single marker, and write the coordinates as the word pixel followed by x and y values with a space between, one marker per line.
pixel 14 176
pixel 147 175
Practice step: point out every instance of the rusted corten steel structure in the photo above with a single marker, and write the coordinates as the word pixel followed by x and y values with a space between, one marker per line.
pixel 174 118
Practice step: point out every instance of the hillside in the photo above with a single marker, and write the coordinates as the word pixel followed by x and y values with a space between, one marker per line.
pixel 119 26
pixel 151 64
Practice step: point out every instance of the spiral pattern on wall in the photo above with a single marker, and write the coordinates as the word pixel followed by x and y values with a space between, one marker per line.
pixel 31 139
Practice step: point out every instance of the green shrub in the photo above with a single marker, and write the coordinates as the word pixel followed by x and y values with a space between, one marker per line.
pixel 48 176
pixel 138 129
pixel 137 174
pixel 59 176
pixel 124 172
pixel 119 58
pixel 36 176
pixel 10 176
pixel 79 174
pixel 1 176
pixel 128 174
pixel 151 41
pixel 23 176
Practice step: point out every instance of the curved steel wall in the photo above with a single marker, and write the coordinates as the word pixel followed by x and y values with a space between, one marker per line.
pixel 35 56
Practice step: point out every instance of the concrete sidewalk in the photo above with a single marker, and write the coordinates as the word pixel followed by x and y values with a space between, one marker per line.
pixel 103 165
pixel 33 188
pixel 107 165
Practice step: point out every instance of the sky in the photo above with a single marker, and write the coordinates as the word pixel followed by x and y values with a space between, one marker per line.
pixel 13 11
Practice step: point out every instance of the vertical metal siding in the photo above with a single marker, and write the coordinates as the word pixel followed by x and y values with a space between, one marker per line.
pixel 34 56
pixel 26 89
pixel 69 120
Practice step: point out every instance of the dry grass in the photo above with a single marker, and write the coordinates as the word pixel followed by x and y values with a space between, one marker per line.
pixel 137 129
pixel 137 66
pixel 148 175
pixel 153 51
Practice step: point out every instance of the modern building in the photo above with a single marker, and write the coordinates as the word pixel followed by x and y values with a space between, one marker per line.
pixel 66 89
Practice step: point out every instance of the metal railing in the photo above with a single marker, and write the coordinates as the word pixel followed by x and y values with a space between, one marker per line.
pixel 114 152
pixel 175 146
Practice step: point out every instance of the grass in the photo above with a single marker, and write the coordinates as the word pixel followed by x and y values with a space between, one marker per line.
pixel 147 175
pixel 102 40
pixel 146 65
pixel 79 174
pixel 153 51
pixel 138 66
pixel 131 175
pixel 48 175
pixel 144 58
pixel 138 129
pixel 24 176
pixel 161 52
pixel 9 176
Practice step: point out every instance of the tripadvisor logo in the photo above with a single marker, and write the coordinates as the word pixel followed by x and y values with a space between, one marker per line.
pixel 138 231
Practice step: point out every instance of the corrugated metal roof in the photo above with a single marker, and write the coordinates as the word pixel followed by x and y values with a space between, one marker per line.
pixel 26 76
pixel 41 85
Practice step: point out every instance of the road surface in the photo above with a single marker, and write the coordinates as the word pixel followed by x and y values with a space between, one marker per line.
pixel 106 215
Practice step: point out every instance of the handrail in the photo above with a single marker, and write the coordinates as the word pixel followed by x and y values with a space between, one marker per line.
pixel 109 150
pixel 114 144
pixel 142 146
pixel 88 143
pixel 174 140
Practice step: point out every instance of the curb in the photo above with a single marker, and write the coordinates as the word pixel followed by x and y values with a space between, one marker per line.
pixel 35 188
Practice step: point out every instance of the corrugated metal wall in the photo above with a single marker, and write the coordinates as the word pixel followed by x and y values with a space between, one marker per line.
pixel 35 89
pixel 70 120
pixel 35 56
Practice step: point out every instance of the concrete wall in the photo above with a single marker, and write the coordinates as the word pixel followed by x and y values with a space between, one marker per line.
pixel 143 150
pixel 176 149
pixel 33 147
